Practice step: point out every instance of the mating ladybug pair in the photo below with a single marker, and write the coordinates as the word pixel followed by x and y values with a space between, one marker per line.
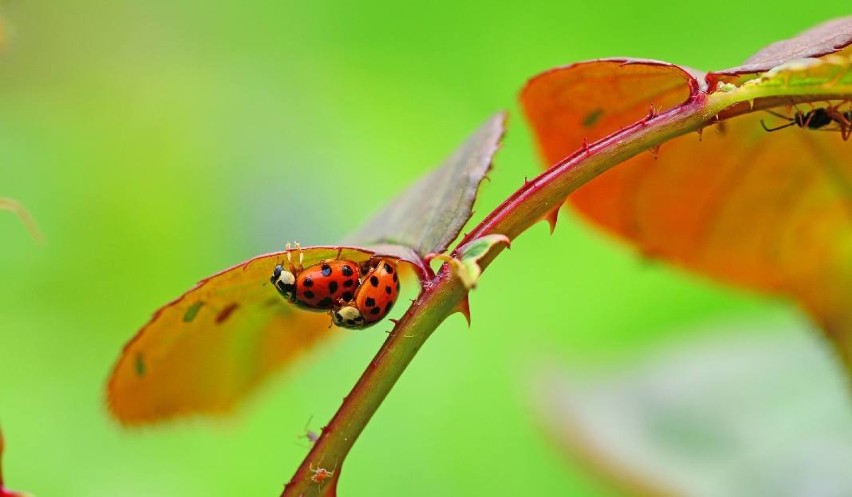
pixel 356 295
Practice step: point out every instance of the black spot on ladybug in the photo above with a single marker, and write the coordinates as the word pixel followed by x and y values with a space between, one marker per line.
pixel 388 307
pixel 308 282
pixel 325 302
pixel 388 268
pixel 332 287
pixel 375 310
pixel 371 302
pixel 309 294
pixel 347 296
pixel 395 278
pixel 347 271
pixel 348 283
pixel 388 290
pixel 374 280
pixel 326 270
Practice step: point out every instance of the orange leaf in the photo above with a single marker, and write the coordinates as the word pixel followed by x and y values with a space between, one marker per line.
pixel 770 211
pixel 207 350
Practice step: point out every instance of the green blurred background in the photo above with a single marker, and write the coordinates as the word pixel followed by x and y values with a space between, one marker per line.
pixel 158 142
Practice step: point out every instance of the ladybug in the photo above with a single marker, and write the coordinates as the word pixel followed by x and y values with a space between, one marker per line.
pixel 373 299
pixel 319 287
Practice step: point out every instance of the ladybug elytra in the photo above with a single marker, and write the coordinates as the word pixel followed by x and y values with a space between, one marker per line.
pixel 318 287
pixel 374 298
pixel 338 287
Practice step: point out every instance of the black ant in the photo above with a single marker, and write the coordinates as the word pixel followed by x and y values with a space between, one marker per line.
pixel 816 119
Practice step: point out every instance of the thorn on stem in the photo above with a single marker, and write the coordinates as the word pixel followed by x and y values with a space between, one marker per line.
pixel 463 307
pixel 655 151
pixel 551 219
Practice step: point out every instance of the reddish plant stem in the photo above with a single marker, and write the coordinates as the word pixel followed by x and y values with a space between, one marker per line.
pixel 442 295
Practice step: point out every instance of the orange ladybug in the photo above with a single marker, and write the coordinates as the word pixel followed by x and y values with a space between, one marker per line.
pixel 319 287
pixel 373 299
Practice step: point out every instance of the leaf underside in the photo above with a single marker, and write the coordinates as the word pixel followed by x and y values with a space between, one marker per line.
pixel 770 211
pixel 429 215
pixel 211 347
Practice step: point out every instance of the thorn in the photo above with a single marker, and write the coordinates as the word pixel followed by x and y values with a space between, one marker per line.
pixel 394 321
pixel 551 219
pixel 526 180
pixel 700 134
pixel 464 308
pixel 655 151
pixel 652 112
pixel 586 145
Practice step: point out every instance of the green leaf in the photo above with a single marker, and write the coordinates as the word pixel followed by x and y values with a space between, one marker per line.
pixel 746 412
pixel 428 216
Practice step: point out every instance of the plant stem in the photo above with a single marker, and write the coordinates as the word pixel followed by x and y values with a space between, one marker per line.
pixel 443 294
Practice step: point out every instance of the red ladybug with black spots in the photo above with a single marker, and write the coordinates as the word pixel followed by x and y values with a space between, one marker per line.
pixel 374 298
pixel 319 287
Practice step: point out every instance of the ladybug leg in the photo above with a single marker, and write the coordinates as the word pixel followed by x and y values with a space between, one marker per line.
pixel 301 255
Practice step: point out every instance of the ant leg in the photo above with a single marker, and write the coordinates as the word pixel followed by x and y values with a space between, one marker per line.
pixel 763 124
pixel 782 116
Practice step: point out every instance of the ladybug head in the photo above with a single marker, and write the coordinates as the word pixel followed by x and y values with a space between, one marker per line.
pixel 348 317
pixel 284 282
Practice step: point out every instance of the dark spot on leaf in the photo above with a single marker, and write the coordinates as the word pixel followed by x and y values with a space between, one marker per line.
pixel 226 313
pixel 388 268
pixel 332 287
pixel 592 117
pixel 375 310
pixel 326 270
pixel 347 271
pixel 192 311
pixel 308 282
pixel 374 280
pixel 388 289
pixel 325 302
pixel 348 283
pixel 140 365
pixel 347 296
pixel 309 294
pixel 370 302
